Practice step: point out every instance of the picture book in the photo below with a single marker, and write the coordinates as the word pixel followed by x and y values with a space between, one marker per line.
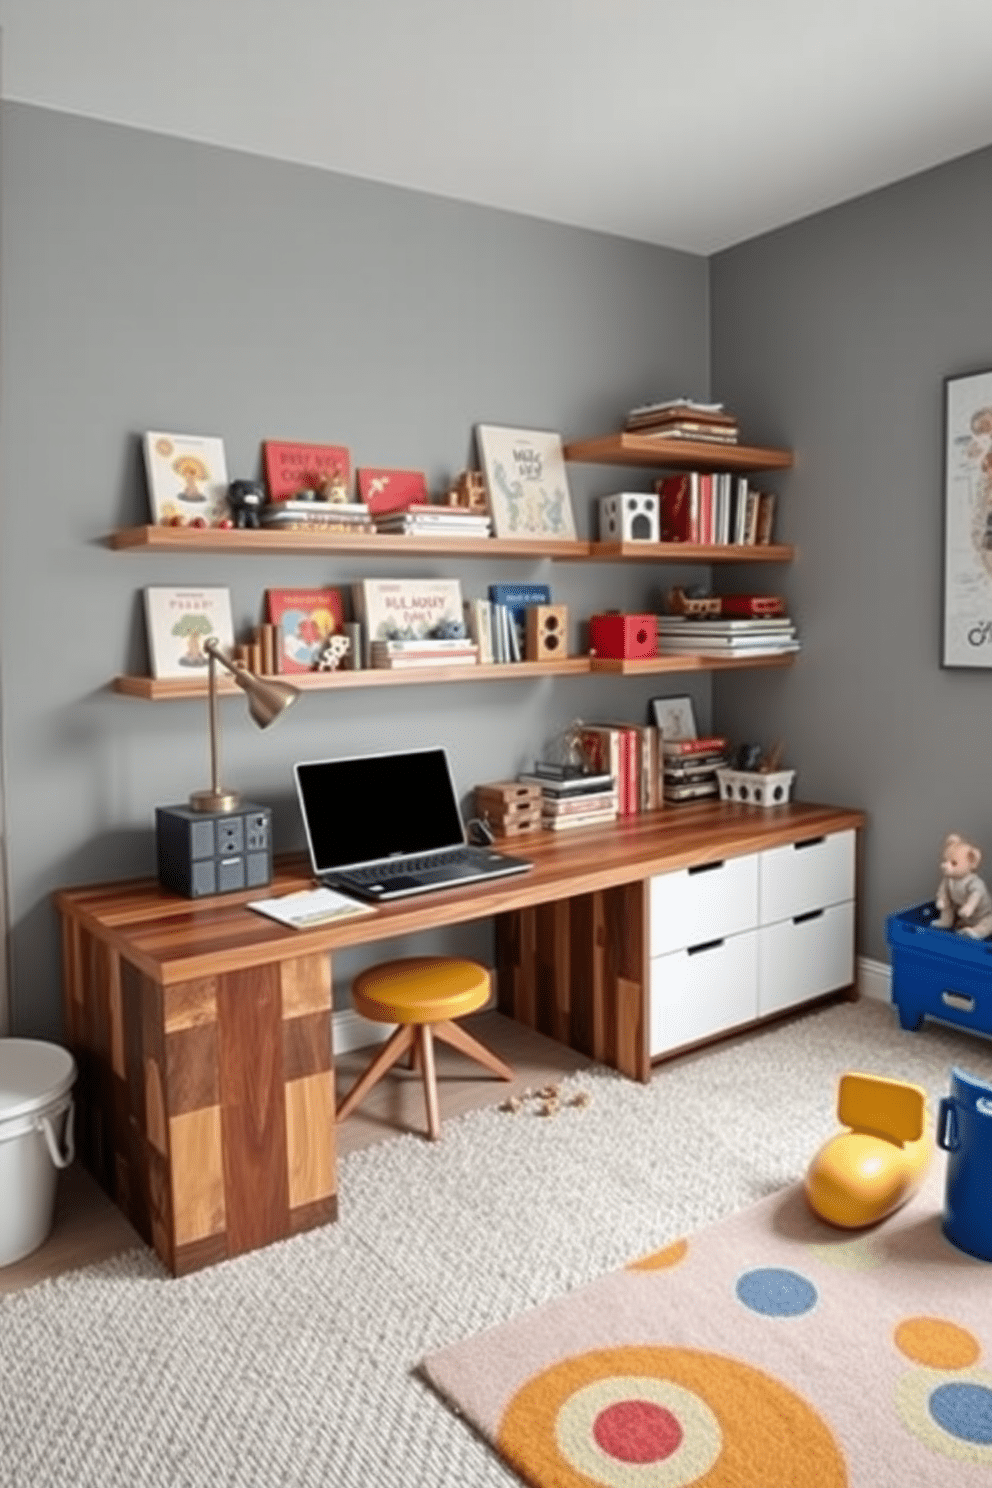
pixel 516 598
pixel 187 478
pixel 306 619
pixel 179 621
pixel 392 490
pixel 400 609
pixel 526 482
pixel 290 468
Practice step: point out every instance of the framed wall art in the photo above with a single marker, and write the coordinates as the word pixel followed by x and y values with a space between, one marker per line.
pixel 674 716
pixel 967 632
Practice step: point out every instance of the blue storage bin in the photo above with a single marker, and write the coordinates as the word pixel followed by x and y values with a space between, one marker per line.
pixel 964 1131
pixel 938 973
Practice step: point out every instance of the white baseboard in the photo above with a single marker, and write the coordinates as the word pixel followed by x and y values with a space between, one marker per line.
pixel 351 1031
pixel 874 980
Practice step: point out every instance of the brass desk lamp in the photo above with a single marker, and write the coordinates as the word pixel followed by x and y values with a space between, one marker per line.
pixel 267 701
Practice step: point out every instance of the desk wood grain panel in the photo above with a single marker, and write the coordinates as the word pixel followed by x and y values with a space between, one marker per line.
pixel 253 1108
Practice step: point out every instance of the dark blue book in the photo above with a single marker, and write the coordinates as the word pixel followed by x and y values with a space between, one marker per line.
pixel 517 598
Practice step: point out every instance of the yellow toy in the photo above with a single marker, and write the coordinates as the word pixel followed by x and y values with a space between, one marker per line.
pixel 866 1172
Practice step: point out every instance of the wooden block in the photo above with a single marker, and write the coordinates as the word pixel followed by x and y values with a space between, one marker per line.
pixel 310 1138
pixel 507 793
pixel 197 1165
pixel 547 632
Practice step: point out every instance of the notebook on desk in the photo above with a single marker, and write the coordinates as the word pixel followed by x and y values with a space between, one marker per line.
pixel 384 826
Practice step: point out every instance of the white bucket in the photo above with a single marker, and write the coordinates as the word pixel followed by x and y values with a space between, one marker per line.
pixel 36 1111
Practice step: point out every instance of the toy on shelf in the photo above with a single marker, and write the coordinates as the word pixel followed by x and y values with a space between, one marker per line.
pixel 963 901
pixel 868 1171
pixel 964 1131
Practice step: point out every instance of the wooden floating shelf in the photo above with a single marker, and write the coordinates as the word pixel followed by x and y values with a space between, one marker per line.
pixel 386 545
pixel 218 540
pixel 165 689
pixel 645 552
pixel 160 689
pixel 675 454
pixel 644 666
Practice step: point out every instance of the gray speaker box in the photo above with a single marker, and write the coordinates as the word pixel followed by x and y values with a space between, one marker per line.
pixel 206 852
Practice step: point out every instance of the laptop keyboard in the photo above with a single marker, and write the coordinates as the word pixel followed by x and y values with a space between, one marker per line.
pixel 403 867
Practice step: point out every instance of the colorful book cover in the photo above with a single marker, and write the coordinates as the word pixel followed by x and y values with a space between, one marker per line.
pixel 187 478
pixel 398 609
pixel 306 619
pixel 517 598
pixel 179 621
pixel 392 490
pixel 290 468
pixel 526 483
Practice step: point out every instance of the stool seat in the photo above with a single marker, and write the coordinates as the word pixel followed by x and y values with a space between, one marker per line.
pixel 420 989
pixel 422 995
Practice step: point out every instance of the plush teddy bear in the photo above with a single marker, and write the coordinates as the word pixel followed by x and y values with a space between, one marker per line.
pixel 963 901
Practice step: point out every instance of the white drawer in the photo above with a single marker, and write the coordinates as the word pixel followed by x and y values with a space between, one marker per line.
pixel 698 993
pixel 805 875
pixel 704 903
pixel 806 957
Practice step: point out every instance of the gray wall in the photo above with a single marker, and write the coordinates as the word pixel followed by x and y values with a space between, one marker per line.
pixel 150 283
pixel 834 336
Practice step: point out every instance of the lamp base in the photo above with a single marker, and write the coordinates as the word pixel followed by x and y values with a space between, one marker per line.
pixel 201 852
pixel 217 802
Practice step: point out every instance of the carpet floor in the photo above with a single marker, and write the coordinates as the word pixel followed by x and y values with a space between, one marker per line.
pixel 299 1364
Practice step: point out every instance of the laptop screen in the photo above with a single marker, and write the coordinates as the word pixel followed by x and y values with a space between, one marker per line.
pixel 371 806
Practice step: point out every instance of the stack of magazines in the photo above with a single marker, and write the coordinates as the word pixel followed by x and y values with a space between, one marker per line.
pixel 424 651
pixel 570 797
pixel 689 767
pixel 428 519
pixel 683 418
pixel 316 516
pixel 717 636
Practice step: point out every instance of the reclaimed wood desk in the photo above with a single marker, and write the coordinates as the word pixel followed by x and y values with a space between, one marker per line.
pixel 202 1031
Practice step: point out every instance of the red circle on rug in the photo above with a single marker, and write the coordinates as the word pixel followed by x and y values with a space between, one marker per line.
pixel 637 1431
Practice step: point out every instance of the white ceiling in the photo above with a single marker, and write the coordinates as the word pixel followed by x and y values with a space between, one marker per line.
pixel 690 123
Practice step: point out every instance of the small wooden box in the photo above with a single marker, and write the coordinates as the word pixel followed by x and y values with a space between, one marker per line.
pixel 509 807
pixel 547 632
pixel 619 636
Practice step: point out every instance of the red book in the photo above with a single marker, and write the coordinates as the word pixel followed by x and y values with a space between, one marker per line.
pixel 392 490
pixel 304 467
pixel 706 509
pixel 306 618
pixel 675 502
pixel 711 744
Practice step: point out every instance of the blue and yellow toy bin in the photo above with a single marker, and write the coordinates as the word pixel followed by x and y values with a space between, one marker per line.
pixel 964 1131
pixel 938 973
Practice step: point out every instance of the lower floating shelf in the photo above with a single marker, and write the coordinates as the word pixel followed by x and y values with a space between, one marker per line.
pixel 165 689
pixel 644 665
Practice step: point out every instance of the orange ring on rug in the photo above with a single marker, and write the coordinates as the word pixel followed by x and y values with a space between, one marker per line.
pixel 765 1432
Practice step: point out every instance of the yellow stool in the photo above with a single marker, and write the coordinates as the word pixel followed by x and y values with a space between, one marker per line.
pixel 421 994
pixel 868 1171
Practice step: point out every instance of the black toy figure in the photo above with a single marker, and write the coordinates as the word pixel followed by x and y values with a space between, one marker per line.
pixel 246 499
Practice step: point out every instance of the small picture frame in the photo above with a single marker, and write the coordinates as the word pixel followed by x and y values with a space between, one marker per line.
pixel 967 627
pixel 673 717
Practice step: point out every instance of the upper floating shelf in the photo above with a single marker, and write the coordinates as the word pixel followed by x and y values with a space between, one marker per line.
pixel 675 454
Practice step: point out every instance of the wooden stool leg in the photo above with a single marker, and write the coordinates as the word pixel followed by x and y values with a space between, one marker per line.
pixel 426 1047
pixel 393 1050
pixel 454 1034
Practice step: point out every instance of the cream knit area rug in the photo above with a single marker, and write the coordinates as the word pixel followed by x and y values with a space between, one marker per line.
pixel 299 1364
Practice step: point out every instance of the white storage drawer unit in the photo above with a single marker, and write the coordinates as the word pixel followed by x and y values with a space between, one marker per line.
pixel 805 875
pixel 746 937
pixel 699 992
pixel 805 957
pixel 705 903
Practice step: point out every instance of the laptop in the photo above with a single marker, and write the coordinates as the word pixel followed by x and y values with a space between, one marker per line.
pixel 384 826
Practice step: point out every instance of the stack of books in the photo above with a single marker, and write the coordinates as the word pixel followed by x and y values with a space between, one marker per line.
pixel 428 519
pixel 570 797
pixel 317 516
pixel 424 651
pixel 719 636
pixel 684 418
pixel 689 767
